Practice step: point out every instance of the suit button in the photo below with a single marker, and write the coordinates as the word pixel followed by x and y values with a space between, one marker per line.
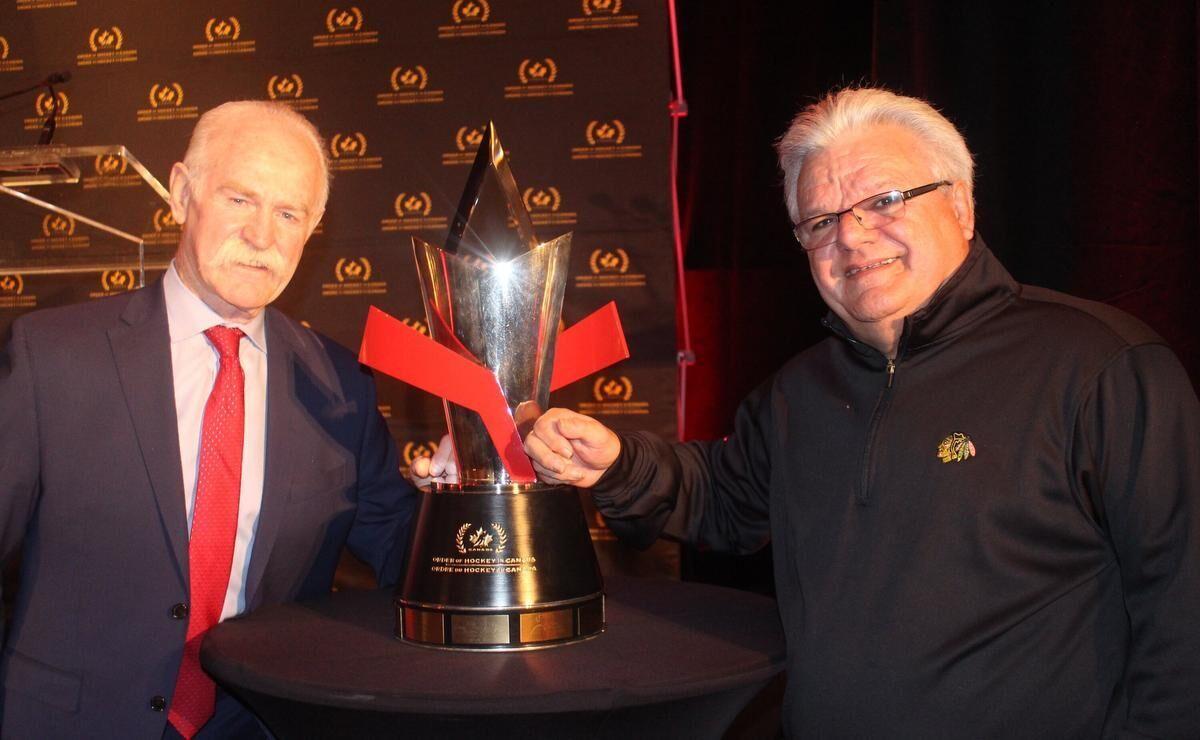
pixel 158 703
pixel 179 611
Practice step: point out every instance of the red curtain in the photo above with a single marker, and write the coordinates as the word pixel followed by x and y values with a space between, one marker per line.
pixel 1083 121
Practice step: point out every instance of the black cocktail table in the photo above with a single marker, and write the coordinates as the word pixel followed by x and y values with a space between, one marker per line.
pixel 677 660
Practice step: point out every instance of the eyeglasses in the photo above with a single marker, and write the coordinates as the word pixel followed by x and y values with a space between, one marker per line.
pixel 879 210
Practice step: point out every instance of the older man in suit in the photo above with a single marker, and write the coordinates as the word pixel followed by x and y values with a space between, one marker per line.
pixel 183 454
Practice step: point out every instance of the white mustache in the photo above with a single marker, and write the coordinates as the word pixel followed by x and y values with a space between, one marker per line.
pixel 234 251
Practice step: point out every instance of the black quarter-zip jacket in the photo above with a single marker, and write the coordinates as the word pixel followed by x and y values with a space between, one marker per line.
pixel 997 535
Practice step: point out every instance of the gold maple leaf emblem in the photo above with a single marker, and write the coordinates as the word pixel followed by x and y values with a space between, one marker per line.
pixel 480 538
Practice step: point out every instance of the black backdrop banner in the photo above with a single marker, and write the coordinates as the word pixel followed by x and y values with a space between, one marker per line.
pixel 401 90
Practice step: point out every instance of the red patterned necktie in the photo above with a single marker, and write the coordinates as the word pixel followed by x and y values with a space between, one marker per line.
pixel 214 528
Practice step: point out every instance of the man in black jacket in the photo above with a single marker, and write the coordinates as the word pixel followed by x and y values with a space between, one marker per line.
pixel 982 496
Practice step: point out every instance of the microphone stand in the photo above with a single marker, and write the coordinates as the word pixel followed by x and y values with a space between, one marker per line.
pixel 51 120
pixel 49 82
pixel 22 91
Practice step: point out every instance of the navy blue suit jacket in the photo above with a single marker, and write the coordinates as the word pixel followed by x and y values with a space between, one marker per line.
pixel 91 489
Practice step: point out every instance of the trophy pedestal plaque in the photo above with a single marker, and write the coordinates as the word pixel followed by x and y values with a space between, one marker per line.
pixel 498 561
pixel 495 567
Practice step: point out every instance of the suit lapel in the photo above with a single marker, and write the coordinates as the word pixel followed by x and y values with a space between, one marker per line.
pixel 141 349
pixel 282 356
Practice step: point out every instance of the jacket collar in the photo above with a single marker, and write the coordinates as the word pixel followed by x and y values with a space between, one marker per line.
pixel 977 289
pixel 141 349
pixel 286 351
pixel 142 353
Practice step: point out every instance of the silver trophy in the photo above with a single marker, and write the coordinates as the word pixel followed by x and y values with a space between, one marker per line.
pixel 498 561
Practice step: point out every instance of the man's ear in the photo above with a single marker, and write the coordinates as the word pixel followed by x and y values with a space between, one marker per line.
pixel 181 192
pixel 964 209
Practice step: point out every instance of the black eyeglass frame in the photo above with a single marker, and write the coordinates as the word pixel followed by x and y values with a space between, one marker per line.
pixel 905 196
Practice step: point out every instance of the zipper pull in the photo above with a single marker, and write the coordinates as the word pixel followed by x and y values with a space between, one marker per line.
pixel 891 371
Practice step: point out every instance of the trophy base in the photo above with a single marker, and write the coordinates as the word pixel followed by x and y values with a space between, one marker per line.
pixel 532 628
pixel 500 568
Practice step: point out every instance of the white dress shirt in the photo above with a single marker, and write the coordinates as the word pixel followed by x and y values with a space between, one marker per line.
pixel 194 364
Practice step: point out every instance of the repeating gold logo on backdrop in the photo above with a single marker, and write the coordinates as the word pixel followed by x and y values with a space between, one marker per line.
pixel 12 293
pixel 121 280
pixel 164 220
pixel 414 212
pixel 412 450
pixel 538 79
pixel 613 396
pixel 545 207
pixel 353 278
pixel 344 27
pixel 111 172
pixel 605 140
pixel 610 268
pixel 471 18
pixel 44 4
pixel 55 224
pixel 108 165
pixel 409 85
pixel 420 326
pixel 289 90
pixel 106 45
pixel 7 62
pixel 466 142
pixel 165 230
pixel 222 37
pixel 44 103
pixel 58 232
pixel 348 152
pixel 602 14
pixel 113 282
pixel 166 104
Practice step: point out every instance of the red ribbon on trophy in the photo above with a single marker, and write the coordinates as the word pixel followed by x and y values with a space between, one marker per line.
pixel 396 349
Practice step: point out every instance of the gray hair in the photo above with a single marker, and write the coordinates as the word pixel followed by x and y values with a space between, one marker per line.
pixel 196 157
pixel 818 125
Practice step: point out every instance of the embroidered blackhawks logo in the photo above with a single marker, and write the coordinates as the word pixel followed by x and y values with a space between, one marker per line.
pixel 956 448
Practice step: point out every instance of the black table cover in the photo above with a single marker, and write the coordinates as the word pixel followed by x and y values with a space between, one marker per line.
pixel 676 660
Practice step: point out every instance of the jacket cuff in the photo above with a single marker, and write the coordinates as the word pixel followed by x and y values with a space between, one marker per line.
pixel 616 478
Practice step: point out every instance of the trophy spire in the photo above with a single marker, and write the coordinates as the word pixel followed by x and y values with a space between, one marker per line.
pixel 491 222
pixel 494 293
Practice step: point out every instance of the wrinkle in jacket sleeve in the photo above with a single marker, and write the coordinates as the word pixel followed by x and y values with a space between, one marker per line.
pixel 714 494
pixel 386 500
pixel 1138 457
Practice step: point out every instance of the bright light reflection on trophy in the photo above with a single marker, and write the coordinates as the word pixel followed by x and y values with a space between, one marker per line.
pixel 495 291
pixel 498 561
